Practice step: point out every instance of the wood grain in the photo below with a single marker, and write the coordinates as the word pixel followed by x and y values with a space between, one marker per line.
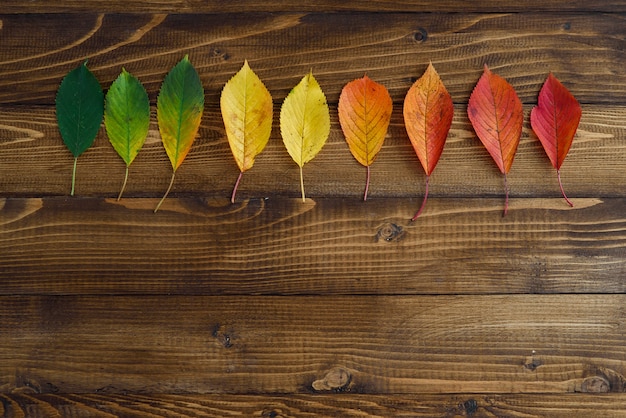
pixel 36 163
pixel 324 246
pixel 356 344
pixel 335 307
pixel 199 6
pixel 393 49
pixel 311 406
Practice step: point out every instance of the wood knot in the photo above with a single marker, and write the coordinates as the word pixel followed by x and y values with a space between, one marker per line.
pixel 596 384
pixel 470 407
pixel 532 363
pixel 218 53
pixel 222 335
pixel 389 232
pixel 603 380
pixel 420 35
pixel 337 379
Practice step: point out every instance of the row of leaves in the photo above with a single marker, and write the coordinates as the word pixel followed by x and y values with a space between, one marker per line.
pixel 365 107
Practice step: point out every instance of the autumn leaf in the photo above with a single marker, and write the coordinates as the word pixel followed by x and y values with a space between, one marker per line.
pixel 247 112
pixel 428 111
pixel 555 120
pixel 179 110
pixel 127 118
pixel 496 114
pixel 364 113
pixel 79 110
pixel 304 122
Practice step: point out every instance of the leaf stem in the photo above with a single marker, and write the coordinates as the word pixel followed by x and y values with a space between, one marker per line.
pixel 367 183
pixel 506 196
pixel 166 192
pixel 558 176
pixel 418 213
pixel 302 185
pixel 232 198
pixel 74 176
pixel 123 185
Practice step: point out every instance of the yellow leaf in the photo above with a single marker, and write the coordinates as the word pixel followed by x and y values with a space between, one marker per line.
pixel 246 106
pixel 305 122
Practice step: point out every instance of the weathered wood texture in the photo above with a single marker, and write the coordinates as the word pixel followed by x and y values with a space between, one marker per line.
pixel 236 6
pixel 326 246
pixel 356 344
pixel 393 49
pixel 35 162
pixel 310 406
pixel 335 307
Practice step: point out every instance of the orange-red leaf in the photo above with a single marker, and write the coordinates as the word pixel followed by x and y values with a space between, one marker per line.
pixel 364 114
pixel 496 114
pixel 555 120
pixel 428 111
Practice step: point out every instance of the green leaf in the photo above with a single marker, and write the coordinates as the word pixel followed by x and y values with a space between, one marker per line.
pixel 79 109
pixel 127 118
pixel 179 110
pixel 305 122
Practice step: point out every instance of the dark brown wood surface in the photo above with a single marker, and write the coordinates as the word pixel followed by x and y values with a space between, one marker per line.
pixel 335 307
pixel 326 246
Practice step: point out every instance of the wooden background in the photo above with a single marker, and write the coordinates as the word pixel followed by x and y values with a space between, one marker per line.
pixel 336 307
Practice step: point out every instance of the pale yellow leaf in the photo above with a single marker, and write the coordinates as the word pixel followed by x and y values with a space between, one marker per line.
pixel 305 122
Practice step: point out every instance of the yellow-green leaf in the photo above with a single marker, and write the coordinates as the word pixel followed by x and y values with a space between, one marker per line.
pixel 179 110
pixel 127 118
pixel 305 122
pixel 246 106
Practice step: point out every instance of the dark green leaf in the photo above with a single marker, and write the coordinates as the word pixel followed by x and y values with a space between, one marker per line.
pixel 79 109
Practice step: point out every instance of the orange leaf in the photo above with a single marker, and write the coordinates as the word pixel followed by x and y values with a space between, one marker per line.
pixel 555 120
pixel 428 111
pixel 496 114
pixel 364 114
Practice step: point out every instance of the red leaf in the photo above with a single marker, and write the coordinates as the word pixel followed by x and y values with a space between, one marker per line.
pixel 496 114
pixel 428 111
pixel 555 120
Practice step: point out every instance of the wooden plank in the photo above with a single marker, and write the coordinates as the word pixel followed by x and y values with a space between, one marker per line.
pixel 394 49
pixel 357 344
pixel 35 162
pixel 199 6
pixel 334 405
pixel 323 246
